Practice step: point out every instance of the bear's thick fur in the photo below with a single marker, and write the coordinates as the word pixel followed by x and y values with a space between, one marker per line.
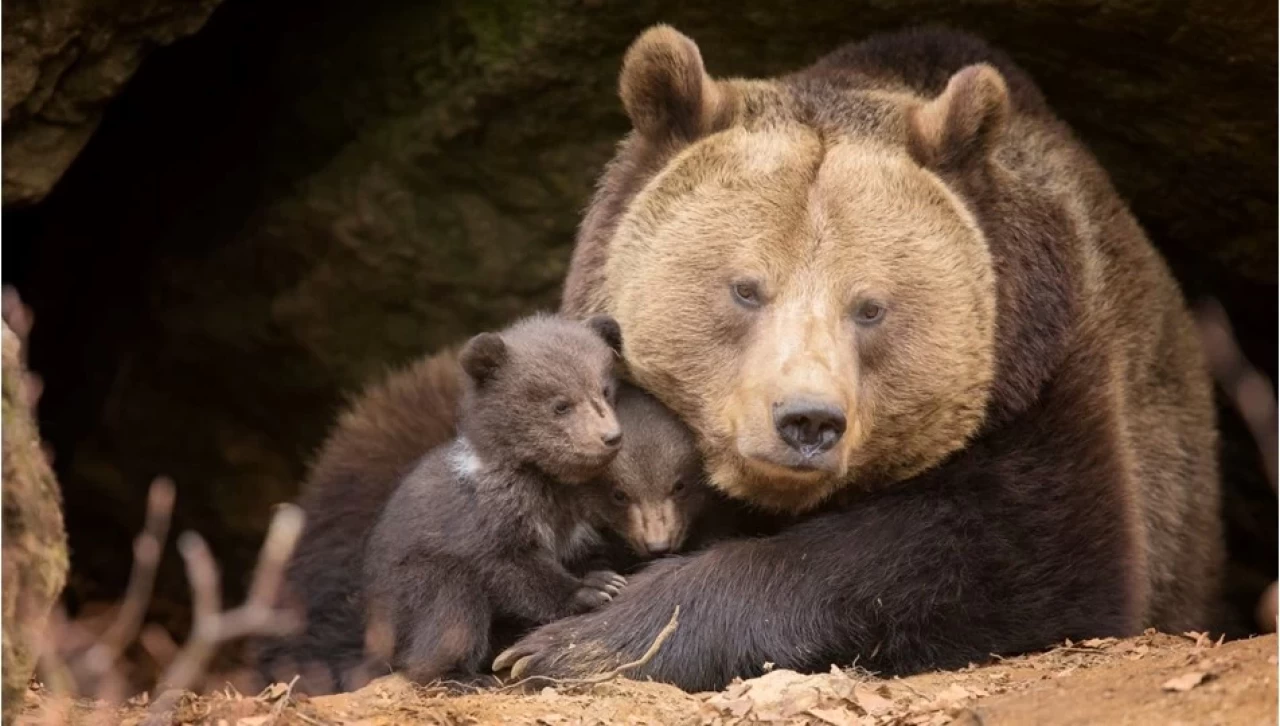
pixel 374 444
pixel 892 293
pixel 487 527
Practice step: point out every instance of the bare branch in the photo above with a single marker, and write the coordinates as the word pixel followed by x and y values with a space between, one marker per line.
pixel 98 662
pixel 1249 390
pixel 1253 396
pixel 257 616
pixel 157 643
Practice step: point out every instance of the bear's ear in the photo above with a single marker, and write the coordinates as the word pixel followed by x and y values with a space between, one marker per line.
pixel 482 356
pixel 608 330
pixel 963 123
pixel 665 89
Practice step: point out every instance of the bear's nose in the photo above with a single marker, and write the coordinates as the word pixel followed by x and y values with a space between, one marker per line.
pixel 810 427
pixel 612 438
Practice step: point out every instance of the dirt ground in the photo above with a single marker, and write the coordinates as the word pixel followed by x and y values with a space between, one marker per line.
pixel 1151 679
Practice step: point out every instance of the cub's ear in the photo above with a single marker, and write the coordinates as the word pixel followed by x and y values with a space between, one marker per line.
pixel 962 124
pixel 666 90
pixel 608 330
pixel 483 356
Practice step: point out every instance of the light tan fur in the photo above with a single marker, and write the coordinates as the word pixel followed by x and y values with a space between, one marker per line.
pixel 851 203
pixel 655 526
pixel 800 196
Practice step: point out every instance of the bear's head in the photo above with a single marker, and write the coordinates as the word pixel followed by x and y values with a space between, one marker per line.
pixel 656 482
pixel 540 394
pixel 794 271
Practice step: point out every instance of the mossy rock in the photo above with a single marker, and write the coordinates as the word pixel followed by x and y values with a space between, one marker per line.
pixel 35 543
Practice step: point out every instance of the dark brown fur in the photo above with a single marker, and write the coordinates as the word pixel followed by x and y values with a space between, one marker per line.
pixel 1084 505
pixel 374 444
pixel 381 439
pixel 485 527
pixel 658 498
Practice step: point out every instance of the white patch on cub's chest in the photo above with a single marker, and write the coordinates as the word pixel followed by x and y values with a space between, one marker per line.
pixel 464 460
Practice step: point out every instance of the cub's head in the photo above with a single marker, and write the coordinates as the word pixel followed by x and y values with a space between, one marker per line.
pixel 792 274
pixel 656 483
pixel 541 393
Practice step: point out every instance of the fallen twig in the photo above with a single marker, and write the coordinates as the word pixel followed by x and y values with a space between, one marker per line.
pixel 277 709
pixel 621 670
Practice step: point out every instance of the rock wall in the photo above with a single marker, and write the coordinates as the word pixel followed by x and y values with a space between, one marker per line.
pixel 35 543
pixel 63 61
pixel 306 192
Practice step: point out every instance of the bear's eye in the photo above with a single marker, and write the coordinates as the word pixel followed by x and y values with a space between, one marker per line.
pixel 870 313
pixel 562 406
pixel 678 486
pixel 746 294
pixel 619 496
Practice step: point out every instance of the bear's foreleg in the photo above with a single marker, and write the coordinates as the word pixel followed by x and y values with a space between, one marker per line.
pixel 998 557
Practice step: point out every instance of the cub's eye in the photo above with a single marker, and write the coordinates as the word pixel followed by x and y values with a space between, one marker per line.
pixel 562 407
pixel 869 313
pixel 678 486
pixel 607 391
pixel 619 496
pixel 746 294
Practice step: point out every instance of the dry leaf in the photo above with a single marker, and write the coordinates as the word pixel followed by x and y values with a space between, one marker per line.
pixel 1200 639
pixel 953 693
pixel 1138 652
pixel 737 707
pixel 836 716
pixel 1098 642
pixel 274 691
pixel 1185 682
pixel 872 702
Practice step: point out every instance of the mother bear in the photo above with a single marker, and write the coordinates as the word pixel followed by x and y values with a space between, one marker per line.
pixel 893 294
pixel 899 303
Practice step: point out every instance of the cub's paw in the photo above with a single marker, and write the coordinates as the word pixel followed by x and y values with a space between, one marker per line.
pixel 598 588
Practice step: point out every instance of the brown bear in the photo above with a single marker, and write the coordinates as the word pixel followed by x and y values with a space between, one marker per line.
pixel 893 294
pixel 375 443
pixel 648 502
pixel 656 480
pixel 486 527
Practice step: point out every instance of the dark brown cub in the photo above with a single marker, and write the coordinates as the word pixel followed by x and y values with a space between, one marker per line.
pixel 482 529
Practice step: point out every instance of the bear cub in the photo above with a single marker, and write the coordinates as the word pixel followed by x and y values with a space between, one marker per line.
pixel 656 485
pixel 488 531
